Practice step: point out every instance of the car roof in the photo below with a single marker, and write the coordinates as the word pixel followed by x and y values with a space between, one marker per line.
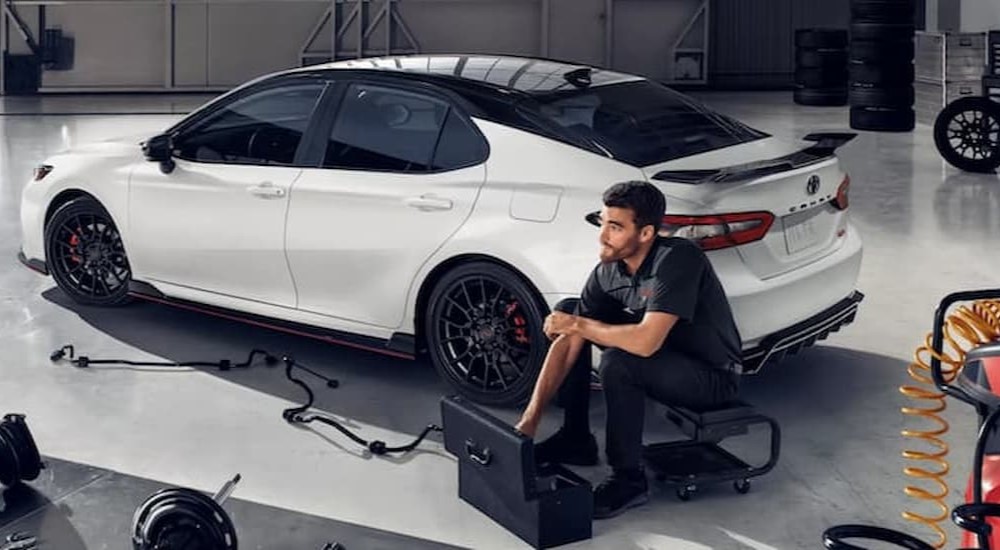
pixel 491 85
pixel 501 74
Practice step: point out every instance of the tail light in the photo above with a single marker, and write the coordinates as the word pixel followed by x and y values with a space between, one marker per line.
pixel 41 171
pixel 720 231
pixel 841 201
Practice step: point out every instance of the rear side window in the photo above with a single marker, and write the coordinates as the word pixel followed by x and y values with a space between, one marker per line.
pixel 460 146
pixel 388 129
pixel 642 122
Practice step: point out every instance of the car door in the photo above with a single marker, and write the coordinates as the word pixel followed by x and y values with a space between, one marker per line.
pixel 398 175
pixel 216 222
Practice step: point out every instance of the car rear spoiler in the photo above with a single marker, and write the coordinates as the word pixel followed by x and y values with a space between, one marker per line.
pixel 826 144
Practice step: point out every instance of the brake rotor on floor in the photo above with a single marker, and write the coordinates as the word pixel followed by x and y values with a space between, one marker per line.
pixel 184 519
pixel 19 457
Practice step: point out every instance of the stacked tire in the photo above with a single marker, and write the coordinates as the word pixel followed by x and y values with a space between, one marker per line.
pixel 821 67
pixel 881 65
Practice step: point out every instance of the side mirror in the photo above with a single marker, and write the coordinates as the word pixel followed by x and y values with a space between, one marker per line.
pixel 160 149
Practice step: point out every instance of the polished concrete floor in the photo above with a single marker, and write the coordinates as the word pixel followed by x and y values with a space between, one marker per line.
pixel 928 229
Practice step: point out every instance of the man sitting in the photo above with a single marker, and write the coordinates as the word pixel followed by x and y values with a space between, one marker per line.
pixel 657 310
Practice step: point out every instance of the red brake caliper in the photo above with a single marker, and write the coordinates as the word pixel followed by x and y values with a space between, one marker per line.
pixel 74 241
pixel 520 324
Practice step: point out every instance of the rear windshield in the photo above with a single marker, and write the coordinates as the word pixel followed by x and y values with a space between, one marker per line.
pixel 643 122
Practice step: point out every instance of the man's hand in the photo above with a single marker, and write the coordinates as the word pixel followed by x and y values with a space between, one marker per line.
pixel 558 323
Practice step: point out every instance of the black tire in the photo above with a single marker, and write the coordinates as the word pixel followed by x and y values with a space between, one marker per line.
pixel 8 464
pixel 881 75
pixel 896 52
pixel 883 11
pixel 25 452
pixel 902 96
pixel 830 97
pixel 967 134
pixel 832 77
pixel 85 254
pixel 882 32
pixel 497 363
pixel 883 120
pixel 821 39
pixel 820 59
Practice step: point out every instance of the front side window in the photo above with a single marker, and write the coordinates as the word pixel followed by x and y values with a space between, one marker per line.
pixel 262 128
pixel 385 129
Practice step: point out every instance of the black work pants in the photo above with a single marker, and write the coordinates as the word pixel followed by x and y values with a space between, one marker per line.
pixel 668 377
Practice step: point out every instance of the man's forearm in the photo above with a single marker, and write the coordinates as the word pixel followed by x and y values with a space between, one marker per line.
pixel 628 337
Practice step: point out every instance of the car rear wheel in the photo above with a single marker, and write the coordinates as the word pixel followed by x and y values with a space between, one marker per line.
pixel 484 333
pixel 85 254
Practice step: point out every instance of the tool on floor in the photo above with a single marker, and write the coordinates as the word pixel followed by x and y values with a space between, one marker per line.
pixel 224 365
pixel 700 460
pixel 19 541
pixel 973 364
pixel 19 458
pixel 295 415
pixel 180 518
pixel 292 415
pixel 185 519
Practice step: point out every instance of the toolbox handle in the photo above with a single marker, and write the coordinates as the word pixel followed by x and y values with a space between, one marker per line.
pixel 479 457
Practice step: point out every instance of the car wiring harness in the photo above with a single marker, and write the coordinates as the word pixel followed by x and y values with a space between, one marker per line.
pixel 293 415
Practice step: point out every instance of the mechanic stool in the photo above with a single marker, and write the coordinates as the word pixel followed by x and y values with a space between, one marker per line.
pixel 700 459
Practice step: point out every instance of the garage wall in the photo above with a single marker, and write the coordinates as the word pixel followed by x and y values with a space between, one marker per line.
pixel 215 44
pixel 754 40
pixel 980 15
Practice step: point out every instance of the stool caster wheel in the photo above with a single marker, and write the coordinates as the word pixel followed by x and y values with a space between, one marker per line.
pixel 684 493
pixel 742 486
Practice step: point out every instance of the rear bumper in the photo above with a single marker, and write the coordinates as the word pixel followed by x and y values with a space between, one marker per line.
pixel 33 264
pixel 775 347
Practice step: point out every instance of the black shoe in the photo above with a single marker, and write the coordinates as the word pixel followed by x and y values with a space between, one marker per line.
pixel 618 493
pixel 561 448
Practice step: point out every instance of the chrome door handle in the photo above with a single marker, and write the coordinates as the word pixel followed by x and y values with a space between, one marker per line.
pixel 429 202
pixel 267 191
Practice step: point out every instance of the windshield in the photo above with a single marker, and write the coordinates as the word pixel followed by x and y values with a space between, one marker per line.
pixel 642 122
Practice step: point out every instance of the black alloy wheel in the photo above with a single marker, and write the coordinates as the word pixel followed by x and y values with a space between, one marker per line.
pixel 967 134
pixel 484 333
pixel 85 254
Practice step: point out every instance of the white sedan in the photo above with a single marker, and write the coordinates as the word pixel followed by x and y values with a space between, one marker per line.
pixel 436 205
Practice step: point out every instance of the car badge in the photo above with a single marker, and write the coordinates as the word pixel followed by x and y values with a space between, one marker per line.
pixel 812 186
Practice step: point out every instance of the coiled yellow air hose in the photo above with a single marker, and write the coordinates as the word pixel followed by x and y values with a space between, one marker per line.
pixel 975 325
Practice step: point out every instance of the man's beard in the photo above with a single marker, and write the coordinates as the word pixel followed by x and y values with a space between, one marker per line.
pixel 610 254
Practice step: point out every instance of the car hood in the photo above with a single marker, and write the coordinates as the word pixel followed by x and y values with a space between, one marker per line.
pixel 124 145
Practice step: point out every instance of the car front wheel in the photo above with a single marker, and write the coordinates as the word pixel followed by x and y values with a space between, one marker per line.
pixel 484 333
pixel 85 254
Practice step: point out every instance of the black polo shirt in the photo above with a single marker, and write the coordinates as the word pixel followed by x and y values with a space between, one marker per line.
pixel 675 277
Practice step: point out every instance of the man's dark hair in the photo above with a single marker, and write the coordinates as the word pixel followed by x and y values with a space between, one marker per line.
pixel 643 198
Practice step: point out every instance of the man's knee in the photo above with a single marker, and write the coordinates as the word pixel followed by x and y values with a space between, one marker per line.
pixel 614 368
pixel 567 305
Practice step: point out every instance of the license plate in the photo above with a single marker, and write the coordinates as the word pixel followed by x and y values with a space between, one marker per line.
pixel 800 233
